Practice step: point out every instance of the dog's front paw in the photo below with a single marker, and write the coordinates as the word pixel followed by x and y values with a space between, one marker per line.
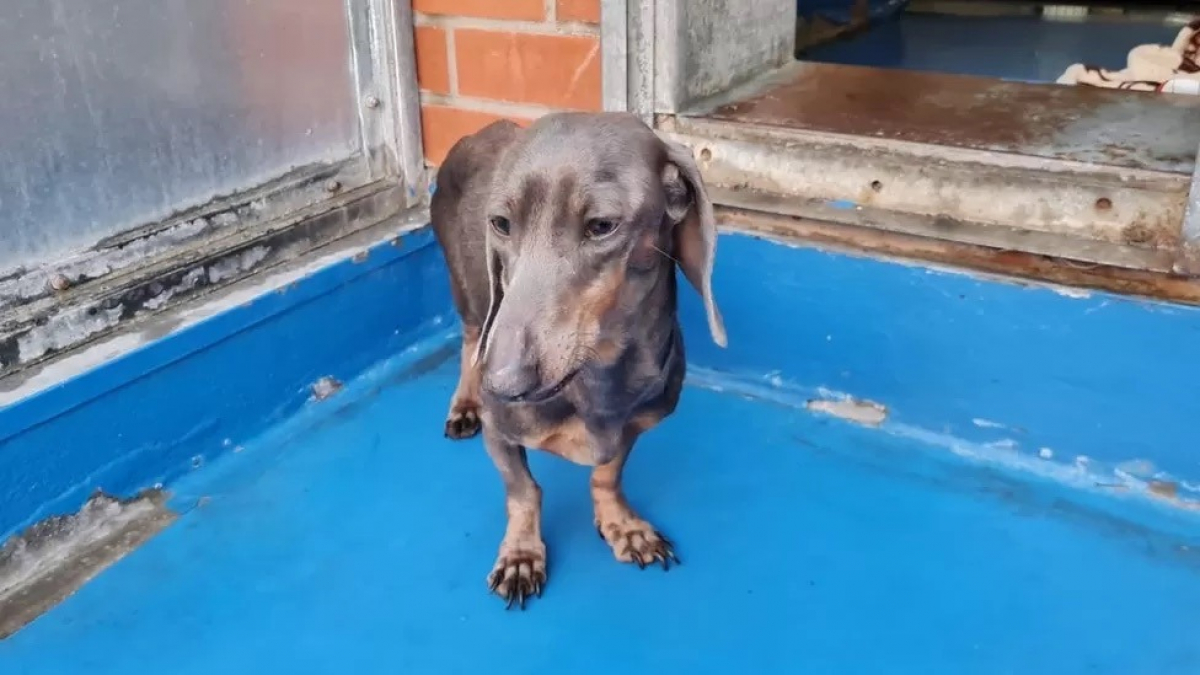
pixel 519 573
pixel 463 421
pixel 633 540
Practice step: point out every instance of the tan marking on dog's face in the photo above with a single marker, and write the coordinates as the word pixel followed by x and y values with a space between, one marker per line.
pixel 592 310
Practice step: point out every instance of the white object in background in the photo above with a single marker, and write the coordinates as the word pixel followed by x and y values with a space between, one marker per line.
pixel 1180 86
pixel 1064 13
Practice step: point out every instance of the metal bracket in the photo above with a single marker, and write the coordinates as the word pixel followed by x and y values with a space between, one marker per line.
pixel 389 113
pixel 1189 252
pixel 627 53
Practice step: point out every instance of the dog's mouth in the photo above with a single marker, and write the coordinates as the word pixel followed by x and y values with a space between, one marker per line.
pixel 546 393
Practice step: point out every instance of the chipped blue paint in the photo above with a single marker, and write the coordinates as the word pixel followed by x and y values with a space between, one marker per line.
pixel 962 535
pixel 1083 376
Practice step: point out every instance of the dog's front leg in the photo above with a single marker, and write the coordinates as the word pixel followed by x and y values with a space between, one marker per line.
pixel 463 419
pixel 631 538
pixel 520 570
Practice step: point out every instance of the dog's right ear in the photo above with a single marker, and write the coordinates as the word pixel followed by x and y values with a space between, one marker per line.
pixel 495 272
pixel 482 153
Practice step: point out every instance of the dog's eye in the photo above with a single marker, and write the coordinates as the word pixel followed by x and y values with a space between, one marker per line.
pixel 501 225
pixel 598 227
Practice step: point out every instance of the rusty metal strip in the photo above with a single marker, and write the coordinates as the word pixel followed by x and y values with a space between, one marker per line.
pixel 1000 237
pixel 1086 125
pixel 1021 265
pixel 1118 216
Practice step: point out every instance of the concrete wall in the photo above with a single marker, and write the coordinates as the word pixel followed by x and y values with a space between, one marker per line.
pixel 704 47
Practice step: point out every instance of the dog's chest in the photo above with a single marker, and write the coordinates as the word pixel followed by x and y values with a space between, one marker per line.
pixel 570 440
pixel 557 427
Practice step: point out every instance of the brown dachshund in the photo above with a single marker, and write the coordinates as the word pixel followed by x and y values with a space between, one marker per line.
pixel 561 241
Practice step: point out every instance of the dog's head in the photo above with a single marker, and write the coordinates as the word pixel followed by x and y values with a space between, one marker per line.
pixel 587 216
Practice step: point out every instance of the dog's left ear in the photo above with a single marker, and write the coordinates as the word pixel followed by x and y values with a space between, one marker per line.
pixel 691 211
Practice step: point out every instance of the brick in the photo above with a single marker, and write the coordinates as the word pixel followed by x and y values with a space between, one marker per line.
pixel 442 126
pixel 433 60
pixel 559 71
pixel 587 11
pixel 526 10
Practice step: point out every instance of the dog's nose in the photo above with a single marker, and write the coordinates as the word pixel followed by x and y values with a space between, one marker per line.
pixel 511 382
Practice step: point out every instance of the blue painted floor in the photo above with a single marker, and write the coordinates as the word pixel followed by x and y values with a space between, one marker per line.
pixel 356 540
pixel 1012 48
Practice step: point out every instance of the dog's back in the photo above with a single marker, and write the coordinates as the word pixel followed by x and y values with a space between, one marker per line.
pixel 458 216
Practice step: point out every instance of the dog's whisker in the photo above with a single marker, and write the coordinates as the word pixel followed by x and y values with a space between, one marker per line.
pixel 666 255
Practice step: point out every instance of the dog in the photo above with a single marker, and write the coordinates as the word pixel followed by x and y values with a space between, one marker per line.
pixel 561 241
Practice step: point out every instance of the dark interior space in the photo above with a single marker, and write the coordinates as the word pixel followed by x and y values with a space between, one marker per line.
pixel 1020 41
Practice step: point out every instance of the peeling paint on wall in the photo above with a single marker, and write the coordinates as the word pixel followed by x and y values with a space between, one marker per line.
pixel 47 326
pixel 190 281
pixel 76 325
pixel 43 376
pixel 232 267
pixel 224 216
pixel 95 264
pixel 66 329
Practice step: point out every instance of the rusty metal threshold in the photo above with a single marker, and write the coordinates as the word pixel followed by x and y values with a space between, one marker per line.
pixel 1073 173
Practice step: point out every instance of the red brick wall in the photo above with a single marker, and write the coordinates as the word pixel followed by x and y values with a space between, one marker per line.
pixel 482 60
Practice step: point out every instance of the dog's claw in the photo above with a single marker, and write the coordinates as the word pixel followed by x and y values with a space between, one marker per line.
pixel 644 547
pixel 666 553
pixel 516 579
